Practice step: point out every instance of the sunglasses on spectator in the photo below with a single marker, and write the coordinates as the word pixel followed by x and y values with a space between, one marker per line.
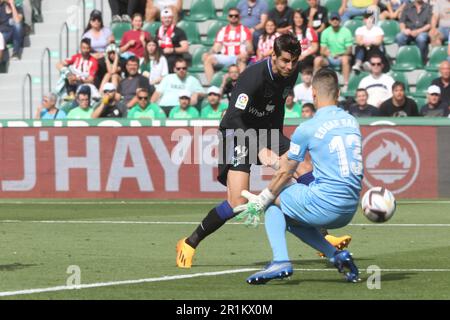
pixel 109 91
pixel 182 68
pixel 376 63
pixel 214 94
pixel 143 98
pixel 434 94
pixel 233 15
pixel 185 98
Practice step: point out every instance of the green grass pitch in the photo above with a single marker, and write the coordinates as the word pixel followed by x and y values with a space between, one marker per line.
pixel 114 241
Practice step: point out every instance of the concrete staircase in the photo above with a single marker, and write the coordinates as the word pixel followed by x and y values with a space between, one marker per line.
pixel 46 35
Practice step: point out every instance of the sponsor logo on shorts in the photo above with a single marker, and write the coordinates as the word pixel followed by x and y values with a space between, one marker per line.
pixel 242 101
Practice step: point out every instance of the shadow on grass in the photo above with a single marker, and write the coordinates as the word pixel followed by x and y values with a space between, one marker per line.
pixel 15 266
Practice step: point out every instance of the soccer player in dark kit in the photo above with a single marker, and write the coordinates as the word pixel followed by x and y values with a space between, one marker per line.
pixel 251 132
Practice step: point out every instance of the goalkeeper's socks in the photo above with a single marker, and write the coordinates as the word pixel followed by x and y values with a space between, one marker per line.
pixel 215 219
pixel 275 224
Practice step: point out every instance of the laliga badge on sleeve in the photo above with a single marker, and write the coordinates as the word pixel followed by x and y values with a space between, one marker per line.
pixel 294 149
pixel 242 101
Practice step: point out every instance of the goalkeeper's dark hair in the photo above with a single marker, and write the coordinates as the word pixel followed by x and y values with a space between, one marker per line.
pixel 325 81
pixel 287 43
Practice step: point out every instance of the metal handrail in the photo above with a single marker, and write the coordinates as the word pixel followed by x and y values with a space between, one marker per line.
pixel 83 2
pixel 46 51
pixel 30 94
pixel 65 26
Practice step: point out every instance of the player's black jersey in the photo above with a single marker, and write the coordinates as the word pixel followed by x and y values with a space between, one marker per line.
pixel 258 98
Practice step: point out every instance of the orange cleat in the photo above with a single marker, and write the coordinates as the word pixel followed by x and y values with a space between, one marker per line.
pixel 185 254
pixel 337 242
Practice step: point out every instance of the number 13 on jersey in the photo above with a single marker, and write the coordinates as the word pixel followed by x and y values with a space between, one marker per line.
pixel 348 149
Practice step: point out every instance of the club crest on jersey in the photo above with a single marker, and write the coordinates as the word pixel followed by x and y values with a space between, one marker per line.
pixel 240 152
pixel 242 101
pixel 270 107
pixel 286 92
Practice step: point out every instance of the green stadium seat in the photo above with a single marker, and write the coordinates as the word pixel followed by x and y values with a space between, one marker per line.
pixel 423 82
pixel 212 32
pixel 391 28
pixel 420 102
pixel 228 5
pixel 201 10
pixel 437 55
pixel 191 30
pixel 118 29
pixel 271 4
pixel 408 59
pixel 353 25
pixel 332 5
pixel 152 27
pixel 217 79
pixel 197 62
pixel 353 83
pixel 400 76
pixel 299 4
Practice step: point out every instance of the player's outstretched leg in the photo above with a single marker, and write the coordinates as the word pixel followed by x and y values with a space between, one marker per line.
pixel 280 267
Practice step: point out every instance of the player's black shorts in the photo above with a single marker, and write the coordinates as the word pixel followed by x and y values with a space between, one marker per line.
pixel 238 149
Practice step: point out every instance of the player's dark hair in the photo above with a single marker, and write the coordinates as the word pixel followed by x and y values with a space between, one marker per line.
pixel 310 106
pixel 398 84
pixel 325 81
pixel 287 43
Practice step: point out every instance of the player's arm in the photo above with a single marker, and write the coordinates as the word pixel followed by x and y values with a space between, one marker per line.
pixel 283 176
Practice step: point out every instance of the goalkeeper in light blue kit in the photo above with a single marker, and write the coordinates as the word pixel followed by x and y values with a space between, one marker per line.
pixel 333 139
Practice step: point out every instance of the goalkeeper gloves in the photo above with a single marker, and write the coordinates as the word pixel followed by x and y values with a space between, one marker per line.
pixel 254 209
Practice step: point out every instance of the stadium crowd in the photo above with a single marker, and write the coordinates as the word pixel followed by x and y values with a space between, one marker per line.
pixel 145 71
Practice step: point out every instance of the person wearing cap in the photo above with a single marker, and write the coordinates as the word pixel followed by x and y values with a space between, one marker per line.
pixel 144 109
pixel 154 8
pixel 434 106
pixel 354 8
pixel 369 41
pixel 172 40
pixel 109 106
pixel 399 105
pixel 48 110
pixel 84 109
pixel 214 109
pixel 110 67
pixel 184 110
pixel 336 44
pixel 292 109
pixel 168 90
pixel 99 35
pixel 133 41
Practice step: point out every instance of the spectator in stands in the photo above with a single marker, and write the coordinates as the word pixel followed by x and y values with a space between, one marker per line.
pixel 155 7
pixel 353 8
pixel 399 105
pixel 84 110
pixel 133 41
pixel 154 65
pixel 215 108
pixel 336 47
pixel 316 16
pixel 254 14
pixel 391 9
pixel 308 111
pixel 448 49
pixel 82 68
pixel 232 46
pixel 122 10
pixel 48 110
pixel 110 106
pixel 282 16
pixel 443 81
pixel 11 26
pixel 440 22
pixel 167 92
pixel 369 42
pixel 184 110
pixel 229 81
pixel 266 40
pixel 144 109
pixel 2 47
pixel 415 22
pixel 133 81
pixel 361 108
pixel 292 109
pixel 309 40
pixel 434 106
pixel 171 39
pixel 99 35
pixel 110 67
pixel 303 91
pixel 377 84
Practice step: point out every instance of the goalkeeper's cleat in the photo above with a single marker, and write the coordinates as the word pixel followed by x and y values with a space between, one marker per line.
pixel 185 254
pixel 339 243
pixel 274 270
pixel 343 261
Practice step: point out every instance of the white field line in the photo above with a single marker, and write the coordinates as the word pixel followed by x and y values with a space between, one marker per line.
pixel 445 225
pixel 178 277
pixel 179 202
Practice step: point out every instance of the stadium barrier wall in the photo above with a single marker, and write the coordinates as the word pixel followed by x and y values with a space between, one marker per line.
pixel 142 160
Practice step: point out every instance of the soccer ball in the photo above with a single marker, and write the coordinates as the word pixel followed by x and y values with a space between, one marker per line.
pixel 378 204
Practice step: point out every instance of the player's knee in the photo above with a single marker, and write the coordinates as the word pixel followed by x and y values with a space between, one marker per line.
pixel 225 211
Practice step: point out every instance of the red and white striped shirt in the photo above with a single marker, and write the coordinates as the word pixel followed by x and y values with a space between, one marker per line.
pixel 82 66
pixel 308 40
pixel 233 40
